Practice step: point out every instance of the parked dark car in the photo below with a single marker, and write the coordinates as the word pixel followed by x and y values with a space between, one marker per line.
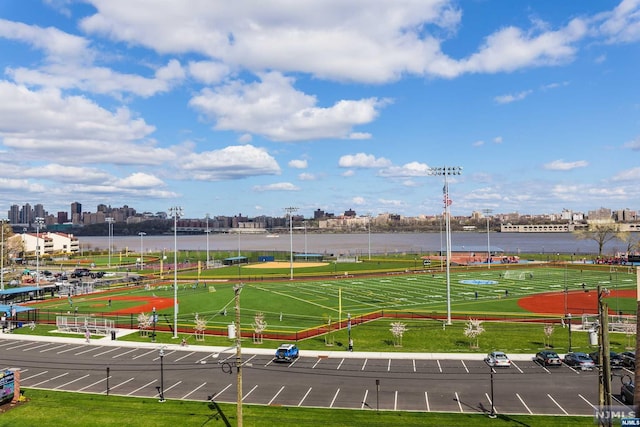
pixel 548 358
pixel 615 360
pixel 628 359
pixel 580 360
pixel 80 272
pixel 626 393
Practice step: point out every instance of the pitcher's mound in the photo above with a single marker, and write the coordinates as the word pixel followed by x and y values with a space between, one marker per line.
pixel 286 264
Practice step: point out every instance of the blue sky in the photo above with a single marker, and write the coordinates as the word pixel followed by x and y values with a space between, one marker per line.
pixel 249 107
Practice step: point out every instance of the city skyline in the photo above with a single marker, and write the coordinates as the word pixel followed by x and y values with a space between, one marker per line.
pixel 236 108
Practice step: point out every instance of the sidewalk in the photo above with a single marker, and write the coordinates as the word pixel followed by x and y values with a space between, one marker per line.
pixel 332 354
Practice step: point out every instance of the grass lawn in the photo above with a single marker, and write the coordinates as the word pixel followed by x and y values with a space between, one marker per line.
pixel 79 410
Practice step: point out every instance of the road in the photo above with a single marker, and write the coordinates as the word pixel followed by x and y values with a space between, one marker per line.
pixel 350 380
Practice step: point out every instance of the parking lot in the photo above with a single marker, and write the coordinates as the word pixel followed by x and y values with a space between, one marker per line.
pixel 355 381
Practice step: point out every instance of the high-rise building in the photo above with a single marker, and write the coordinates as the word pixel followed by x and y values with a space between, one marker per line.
pixel 14 214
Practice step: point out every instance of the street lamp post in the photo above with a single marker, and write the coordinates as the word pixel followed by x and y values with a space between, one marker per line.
pixel 569 322
pixel 445 172
pixel 39 223
pixel 305 240
pixel 142 234
pixel 237 289
pixel 155 321
pixel 175 212
pixel 161 376
pixel 369 233
pixel 110 223
pixel 492 414
pixel 487 212
pixel 290 211
pixel 350 343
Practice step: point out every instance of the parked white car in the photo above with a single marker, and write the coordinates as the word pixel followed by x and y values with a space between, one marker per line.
pixel 497 359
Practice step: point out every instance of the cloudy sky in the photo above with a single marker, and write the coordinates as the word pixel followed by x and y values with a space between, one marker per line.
pixel 228 107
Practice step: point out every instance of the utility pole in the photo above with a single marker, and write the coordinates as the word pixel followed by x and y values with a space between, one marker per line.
pixel 636 379
pixel 237 290
pixel 604 389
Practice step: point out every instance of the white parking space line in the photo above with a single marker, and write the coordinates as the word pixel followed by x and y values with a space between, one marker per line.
pixel 276 395
pixel 439 367
pixel 389 366
pixel 517 367
pixel 92 384
pixel 124 354
pixel 335 396
pixel 53 348
pixel 426 399
pixel 19 346
pixel 250 391
pixel 248 361
pixel 165 355
pixel 304 397
pixel 86 351
pixel 222 391
pixel 523 404
pixel 169 388
pixel 364 399
pixel 465 366
pixel 140 388
pixel 340 364
pixel 193 391
pixel 121 384
pixel 490 404
pixel 107 351
pixel 557 404
pixel 33 376
pixel 50 379
pixel 271 361
pixel 364 364
pixel 143 354
pixel 69 349
pixel 292 363
pixel 316 364
pixel 414 365
pixel 395 401
pixel 71 382
pixel 588 403
pixel 189 354
pixel 36 347
pixel 458 400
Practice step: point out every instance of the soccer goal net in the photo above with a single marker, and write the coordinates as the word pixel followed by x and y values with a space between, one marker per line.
pixel 516 275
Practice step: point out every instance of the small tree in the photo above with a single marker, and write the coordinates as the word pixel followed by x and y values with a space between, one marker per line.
pixel 473 330
pixel 601 233
pixel 397 330
pixel 144 323
pixel 201 325
pixel 548 333
pixel 259 325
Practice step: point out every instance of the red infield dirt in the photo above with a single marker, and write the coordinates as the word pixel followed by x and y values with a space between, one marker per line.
pixel 577 302
pixel 147 304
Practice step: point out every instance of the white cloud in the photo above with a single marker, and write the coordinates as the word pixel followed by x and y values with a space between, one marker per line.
pixel 561 165
pixel 61 173
pixel 208 72
pixel 280 186
pixel 507 99
pixel 140 180
pixel 233 162
pixel 359 201
pixel 633 145
pixel 298 164
pixel 274 109
pixel 479 143
pixel 412 169
pixel 497 140
pixel 363 160
pixel 628 175
pixel 622 25
pixel 307 177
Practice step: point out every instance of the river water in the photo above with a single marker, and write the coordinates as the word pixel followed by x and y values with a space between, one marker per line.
pixel 361 244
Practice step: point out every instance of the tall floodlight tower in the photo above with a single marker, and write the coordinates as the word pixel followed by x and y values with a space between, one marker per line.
pixel 142 234
pixel 486 213
pixel 175 212
pixel 39 223
pixel 2 256
pixel 207 230
pixel 110 223
pixel 445 172
pixel 290 211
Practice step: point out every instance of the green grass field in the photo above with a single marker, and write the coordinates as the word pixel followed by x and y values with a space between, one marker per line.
pixel 79 410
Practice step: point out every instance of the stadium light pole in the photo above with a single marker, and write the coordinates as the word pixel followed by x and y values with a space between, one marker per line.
pixel 175 212
pixel 486 212
pixel 110 225
pixel 142 234
pixel 290 211
pixel 207 231
pixel 445 172
pixel 2 256
pixel 39 223
pixel 369 232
